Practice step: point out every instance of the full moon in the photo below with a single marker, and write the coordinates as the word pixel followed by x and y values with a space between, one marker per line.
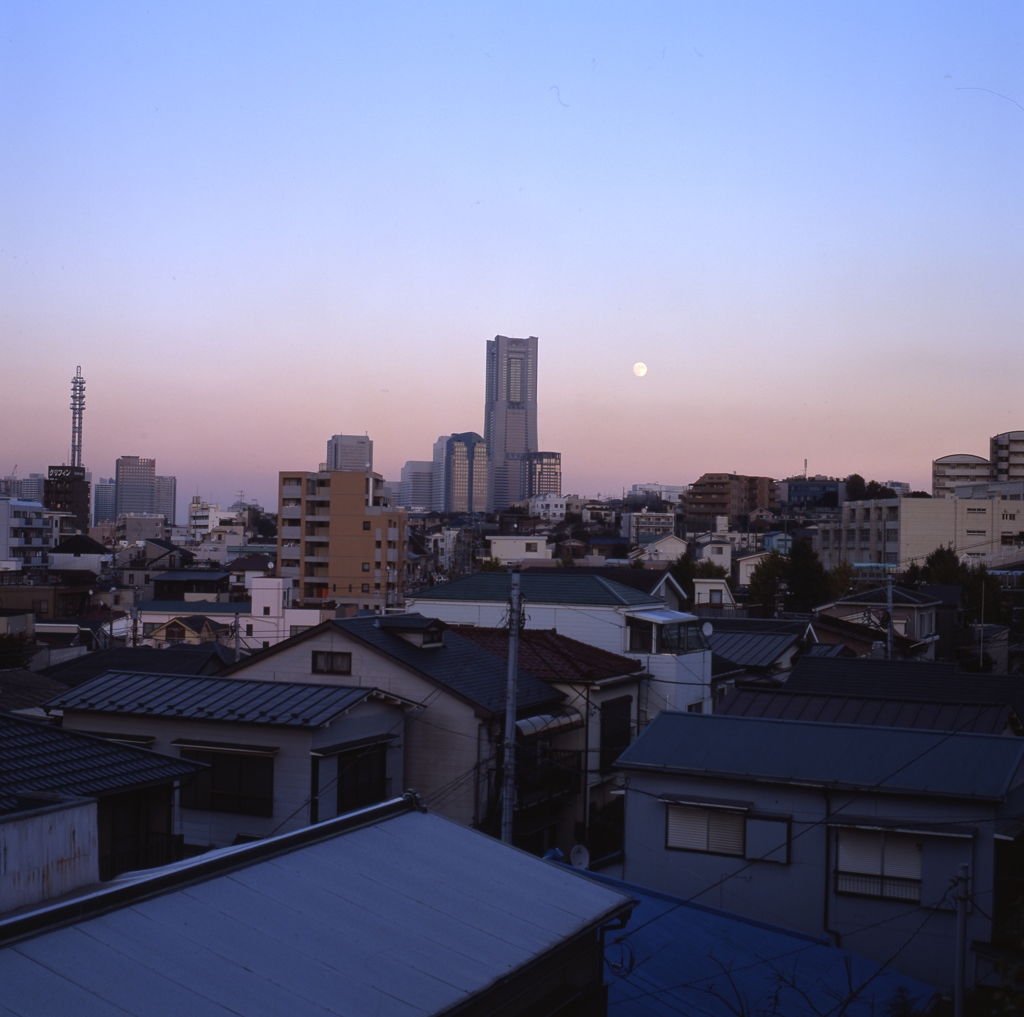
pixel 639 370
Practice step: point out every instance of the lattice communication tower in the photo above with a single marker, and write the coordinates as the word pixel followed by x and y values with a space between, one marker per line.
pixel 77 411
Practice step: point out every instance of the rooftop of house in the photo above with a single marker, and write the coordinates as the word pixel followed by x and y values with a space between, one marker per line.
pixel 191 575
pixel 841 756
pixel 251 563
pixel 207 607
pixel 561 586
pixel 866 634
pixel 196 697
pixel 934 715
pixel 197 622
pixel 388 910
pixel 79 544
pixel 879 597
pixel 203 659
pixel 37 757
pixel 23 690
pixel 680 952
pixel 643 580
pixel 950 595
pixel 751 649
pixel 554 657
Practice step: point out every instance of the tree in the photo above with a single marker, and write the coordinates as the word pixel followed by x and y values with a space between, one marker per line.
pixel 768 580
pixel 492 565
pixel 839 580
pixel 264 523
pixel 684 570
pixel 856 489
pixel 806 578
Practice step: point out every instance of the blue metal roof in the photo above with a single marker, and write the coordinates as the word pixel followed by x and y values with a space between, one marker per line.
pixel 559 587
pixel 688 958
pixel 849 756
pixel 751 649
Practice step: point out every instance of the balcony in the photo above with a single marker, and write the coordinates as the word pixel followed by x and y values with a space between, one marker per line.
pixel 291 512
pixel 291 532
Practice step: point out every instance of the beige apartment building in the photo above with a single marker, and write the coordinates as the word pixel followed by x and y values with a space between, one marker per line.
pixel 340 541
pixel 1006 452
pixel 904 531
pixel 948 471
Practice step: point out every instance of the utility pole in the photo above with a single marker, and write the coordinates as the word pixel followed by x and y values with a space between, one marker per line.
pixel 981 630
pixel 238 636
pixel 888 608
pixel 508 784
pixel 959 977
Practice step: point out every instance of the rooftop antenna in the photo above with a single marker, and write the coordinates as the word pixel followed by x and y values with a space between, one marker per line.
pixel 77 410
pixel 805 469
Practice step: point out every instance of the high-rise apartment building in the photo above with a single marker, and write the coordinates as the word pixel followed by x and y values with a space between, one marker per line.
pixel 339 540
pixel 67 490
pixel 32 488
pixel 104 502
pixel 948 471
pixel 510 417
pixel 543 473
pixel 1006 452
pixel 165 498
pixel 727 494
pixel 349 452
pixel 136 479
pixel 416 484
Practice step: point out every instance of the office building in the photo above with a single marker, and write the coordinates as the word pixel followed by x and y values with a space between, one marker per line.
pixel 465 473
pixel 31 488
pixel 543 473
pixel 340 542
pixel 416 486
pixel 510 417
pixel 1006 453
pixel 136 481
pixel 104 503
pixel 440 451
pixel 948 471
pixel 165 498
pixel 804 494
pixel 350 452
pixel 67 490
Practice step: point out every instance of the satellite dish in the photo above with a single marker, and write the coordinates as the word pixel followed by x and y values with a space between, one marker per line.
pixel 707 628
pixel 579 856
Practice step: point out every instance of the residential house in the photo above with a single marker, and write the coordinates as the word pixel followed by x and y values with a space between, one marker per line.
pixel 134 789
pixel 390 910
pixel 743 566
pixel 79 553
pixel 714 594
pixel 247 568
pixel 913 615
pixel 757 647
pixel 660 549
pixel 776 540
pixel 635 526
pixel 949 616
pixel 205 660
pixel 853 831
pixel 593 610
pixel 280 755
pixel 715 548
pixel 516 549
pixel 655 582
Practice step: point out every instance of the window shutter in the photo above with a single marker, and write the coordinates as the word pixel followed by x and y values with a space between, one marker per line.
pixel 687 828
pixel 725 832
pixel 902 856
pixel 860 851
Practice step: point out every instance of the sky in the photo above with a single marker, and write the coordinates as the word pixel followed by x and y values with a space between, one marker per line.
pixel 257 225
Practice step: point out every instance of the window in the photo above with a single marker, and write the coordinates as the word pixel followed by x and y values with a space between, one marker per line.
pixel 713 831
pixel 236 782
pixel 366 566
pixel 362 777
pixel 714 596
pixel 641 635
pixel 131 575
pixel 266 644
pixel 681 638
pixel 331 662
pixel 616 729
pixel 147 628
pixel 366 524
pixel 248 630
pixel 366 588
pixel 876 863
pixel 294 630
pixel 716 550
pixel 531 548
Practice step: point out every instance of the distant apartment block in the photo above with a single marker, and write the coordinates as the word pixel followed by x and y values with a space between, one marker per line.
pixel 340 542
pixel 67 490
pixel 205 517
pixel 543 473
pixel 1006 453
pixel 728 494
pixel 136 483
pixel 904 531
pixel 549 507
pixel 672 493
pixel 349 452
pixel 104 502
pixel 415 488
pixel 510 417
pixel 30 488
pixel 948 471
pixel 817 492
pixel 165 498
pixel 26 532
pixel 640 527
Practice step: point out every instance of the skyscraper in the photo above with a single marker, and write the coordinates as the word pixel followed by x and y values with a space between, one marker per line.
pixel 136 479
pixel 415 489
pixel 350 452
pixel 438 473
pixel 465 486
pixel 104 502
pixel 165 498
pixel 543 473
pixel 510 417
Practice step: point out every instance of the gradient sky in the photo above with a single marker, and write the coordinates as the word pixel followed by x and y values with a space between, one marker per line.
pixel 258 225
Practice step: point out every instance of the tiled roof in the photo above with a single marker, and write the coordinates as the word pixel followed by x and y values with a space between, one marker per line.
pixel 21 689
pixel 79 544
pixel 288 704
pixel 981 718
pixel 554 657
pixel 560 586
pixel 180 660
pixel 460 664
pixel 38 757
pixel 843 756
pixel 644 580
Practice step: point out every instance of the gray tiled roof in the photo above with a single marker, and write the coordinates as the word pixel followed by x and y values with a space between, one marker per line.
pixel 847 756
pixel 188 697
pixel 562 587
pixel 38 757
pixel 179 660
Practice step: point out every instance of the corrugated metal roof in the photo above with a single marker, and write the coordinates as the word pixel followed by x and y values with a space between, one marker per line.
pixel 39 757
pixel 412 915
pixel 459 664
pixel 751 649
pixel 693 959
pixel 195 697
pixel 541 588
pixel 981 718
pixel 833 755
